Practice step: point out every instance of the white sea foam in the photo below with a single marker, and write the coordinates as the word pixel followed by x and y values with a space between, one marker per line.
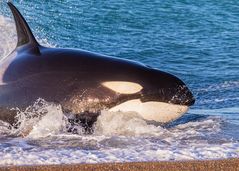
pixel 36 120
pixel 128 123
pixel 118 137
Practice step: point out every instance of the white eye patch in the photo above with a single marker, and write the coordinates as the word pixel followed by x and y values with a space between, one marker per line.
pixel 123 87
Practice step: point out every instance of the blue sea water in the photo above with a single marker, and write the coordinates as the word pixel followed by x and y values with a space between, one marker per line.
pixel 198 41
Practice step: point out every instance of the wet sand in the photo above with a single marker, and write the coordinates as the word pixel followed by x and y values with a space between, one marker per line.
pixel 227 165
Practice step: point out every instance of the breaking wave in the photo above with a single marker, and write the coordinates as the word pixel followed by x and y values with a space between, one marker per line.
pixel 44 119
pixel 117 137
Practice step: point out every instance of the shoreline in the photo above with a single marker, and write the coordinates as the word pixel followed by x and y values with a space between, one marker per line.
pixel 223 164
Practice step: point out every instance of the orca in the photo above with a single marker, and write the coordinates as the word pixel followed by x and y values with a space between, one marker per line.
pixel 85 83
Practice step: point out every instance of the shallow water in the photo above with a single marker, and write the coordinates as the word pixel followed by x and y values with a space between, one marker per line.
pixel 197 41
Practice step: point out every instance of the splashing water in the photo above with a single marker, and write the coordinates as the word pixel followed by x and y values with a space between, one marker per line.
pixel 8 36
pixel 208 131
pixel 36 120
pixel 117 137
pixel 127 124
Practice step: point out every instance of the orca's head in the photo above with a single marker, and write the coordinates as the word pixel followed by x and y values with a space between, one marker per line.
pixel 162 97
pixel 164 87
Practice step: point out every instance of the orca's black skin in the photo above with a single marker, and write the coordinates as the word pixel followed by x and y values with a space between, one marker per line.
pixel 69 76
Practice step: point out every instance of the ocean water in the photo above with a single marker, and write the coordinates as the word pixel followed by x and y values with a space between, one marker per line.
pixel 198 41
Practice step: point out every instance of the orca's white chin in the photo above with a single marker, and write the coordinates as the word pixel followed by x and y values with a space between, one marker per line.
pixel 152 111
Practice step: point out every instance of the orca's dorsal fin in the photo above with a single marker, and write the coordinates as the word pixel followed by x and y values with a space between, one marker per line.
pixel 24 33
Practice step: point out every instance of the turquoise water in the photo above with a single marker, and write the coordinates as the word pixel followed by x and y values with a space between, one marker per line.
pixel 198 41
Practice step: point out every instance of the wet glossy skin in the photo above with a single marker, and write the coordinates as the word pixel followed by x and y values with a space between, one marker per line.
pixel 74 78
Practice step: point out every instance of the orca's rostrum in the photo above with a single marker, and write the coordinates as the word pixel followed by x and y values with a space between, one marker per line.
pixel 85 83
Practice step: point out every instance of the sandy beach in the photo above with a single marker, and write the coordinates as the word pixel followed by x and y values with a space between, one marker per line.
pixel 227 165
